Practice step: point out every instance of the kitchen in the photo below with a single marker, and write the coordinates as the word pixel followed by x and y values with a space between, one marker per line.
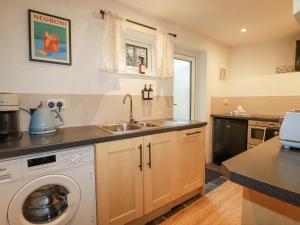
pixel 130 154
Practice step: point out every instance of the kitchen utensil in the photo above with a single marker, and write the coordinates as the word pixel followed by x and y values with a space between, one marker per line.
pixel 43 121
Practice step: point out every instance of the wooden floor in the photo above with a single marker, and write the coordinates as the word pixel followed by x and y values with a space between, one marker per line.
pixel 222 206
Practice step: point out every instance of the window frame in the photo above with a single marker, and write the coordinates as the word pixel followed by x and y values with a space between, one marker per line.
pixel 136 47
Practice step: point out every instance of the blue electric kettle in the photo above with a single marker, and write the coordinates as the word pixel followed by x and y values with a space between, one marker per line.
pixel 43 121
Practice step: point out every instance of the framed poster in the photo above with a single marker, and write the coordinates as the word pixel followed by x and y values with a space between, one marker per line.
pixel 49 38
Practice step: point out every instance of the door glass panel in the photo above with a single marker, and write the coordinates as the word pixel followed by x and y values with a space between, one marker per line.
pixel 182 89
pixel 45 204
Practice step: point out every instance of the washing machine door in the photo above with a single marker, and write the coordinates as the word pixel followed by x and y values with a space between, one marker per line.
pixel 50 200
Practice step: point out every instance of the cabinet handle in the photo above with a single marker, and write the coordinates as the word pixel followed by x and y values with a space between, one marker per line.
pixel 150 162
pixel 141 157
pixel 196 132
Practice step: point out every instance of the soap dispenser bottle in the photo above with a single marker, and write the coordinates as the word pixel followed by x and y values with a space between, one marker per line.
pixel 150 93
pixel 145 92
pixel 142 66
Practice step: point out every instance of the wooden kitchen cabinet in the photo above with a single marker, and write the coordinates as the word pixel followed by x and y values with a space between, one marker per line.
pixel 119 181
pixel 159 162
pixel 139 175
pixel 190 159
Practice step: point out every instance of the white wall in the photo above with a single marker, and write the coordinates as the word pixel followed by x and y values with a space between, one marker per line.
pixel 18 74
pixel 262 58
pixel 252 70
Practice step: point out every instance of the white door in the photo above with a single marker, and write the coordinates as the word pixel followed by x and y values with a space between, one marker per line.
pixel 49 200
pixel 184 87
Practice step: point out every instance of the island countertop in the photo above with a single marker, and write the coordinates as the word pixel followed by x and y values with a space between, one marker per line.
pixel 79 136
pixel 269 169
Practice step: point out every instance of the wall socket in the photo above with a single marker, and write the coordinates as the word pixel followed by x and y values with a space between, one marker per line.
pixel 53 102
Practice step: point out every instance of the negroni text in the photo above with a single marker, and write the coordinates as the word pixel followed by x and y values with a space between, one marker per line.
pixel 50 20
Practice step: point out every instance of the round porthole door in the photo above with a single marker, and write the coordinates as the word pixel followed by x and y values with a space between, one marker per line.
pixel 50 200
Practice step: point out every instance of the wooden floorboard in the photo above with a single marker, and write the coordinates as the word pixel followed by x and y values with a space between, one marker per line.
pixel 222 206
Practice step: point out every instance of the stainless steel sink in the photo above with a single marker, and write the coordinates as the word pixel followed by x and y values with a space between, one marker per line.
pixel 121 128
pixel 146 125
pixel 168 122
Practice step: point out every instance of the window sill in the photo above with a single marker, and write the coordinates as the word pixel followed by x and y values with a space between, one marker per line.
pixel 139 74
pixel 144 75
pixel 136 75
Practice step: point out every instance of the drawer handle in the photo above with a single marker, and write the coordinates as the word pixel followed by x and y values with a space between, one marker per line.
pixel 192 133
pixel 150 161
pixel 141 157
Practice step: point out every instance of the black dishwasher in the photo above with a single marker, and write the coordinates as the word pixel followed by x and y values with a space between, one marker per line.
pixel 229 138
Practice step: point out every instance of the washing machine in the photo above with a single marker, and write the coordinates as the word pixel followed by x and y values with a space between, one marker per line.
pixel 55 188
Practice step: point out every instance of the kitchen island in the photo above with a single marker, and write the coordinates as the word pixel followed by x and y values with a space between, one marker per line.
pixel 271 180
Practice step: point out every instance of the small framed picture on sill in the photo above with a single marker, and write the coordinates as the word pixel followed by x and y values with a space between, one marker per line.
pixel 49 38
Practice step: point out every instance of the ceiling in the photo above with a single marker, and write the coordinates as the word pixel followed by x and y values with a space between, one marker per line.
pixel 223 19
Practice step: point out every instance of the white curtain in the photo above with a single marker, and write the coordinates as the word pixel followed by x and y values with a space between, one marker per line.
pixel 164 54
pixel 112 58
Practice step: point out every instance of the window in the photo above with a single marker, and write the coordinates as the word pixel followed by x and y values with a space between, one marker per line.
pixel 134 53
pixel 134 49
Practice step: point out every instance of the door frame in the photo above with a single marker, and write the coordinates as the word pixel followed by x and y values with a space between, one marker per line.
pixel 192 60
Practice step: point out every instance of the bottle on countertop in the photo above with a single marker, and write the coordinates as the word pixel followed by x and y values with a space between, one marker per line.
pixel 145 92
pixel 142 66
pixel 150 92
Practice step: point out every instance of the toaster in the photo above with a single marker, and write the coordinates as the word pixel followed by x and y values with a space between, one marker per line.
pixel 290 130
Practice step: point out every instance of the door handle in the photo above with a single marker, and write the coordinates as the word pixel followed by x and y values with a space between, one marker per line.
pixel 192 133
pixel 150 161
pixel 141 157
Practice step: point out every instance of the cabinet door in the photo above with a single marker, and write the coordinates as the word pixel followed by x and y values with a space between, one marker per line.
pixel 119 173
pixel 190 161
pixel 159 165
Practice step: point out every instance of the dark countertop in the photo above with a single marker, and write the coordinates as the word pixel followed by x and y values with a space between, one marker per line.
pixel 269 169
pixel 270 118
pixel 77 136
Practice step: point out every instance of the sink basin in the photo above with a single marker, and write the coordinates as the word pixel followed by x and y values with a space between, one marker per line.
pixel 121 128
pixel 168 122
pixel 146 125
